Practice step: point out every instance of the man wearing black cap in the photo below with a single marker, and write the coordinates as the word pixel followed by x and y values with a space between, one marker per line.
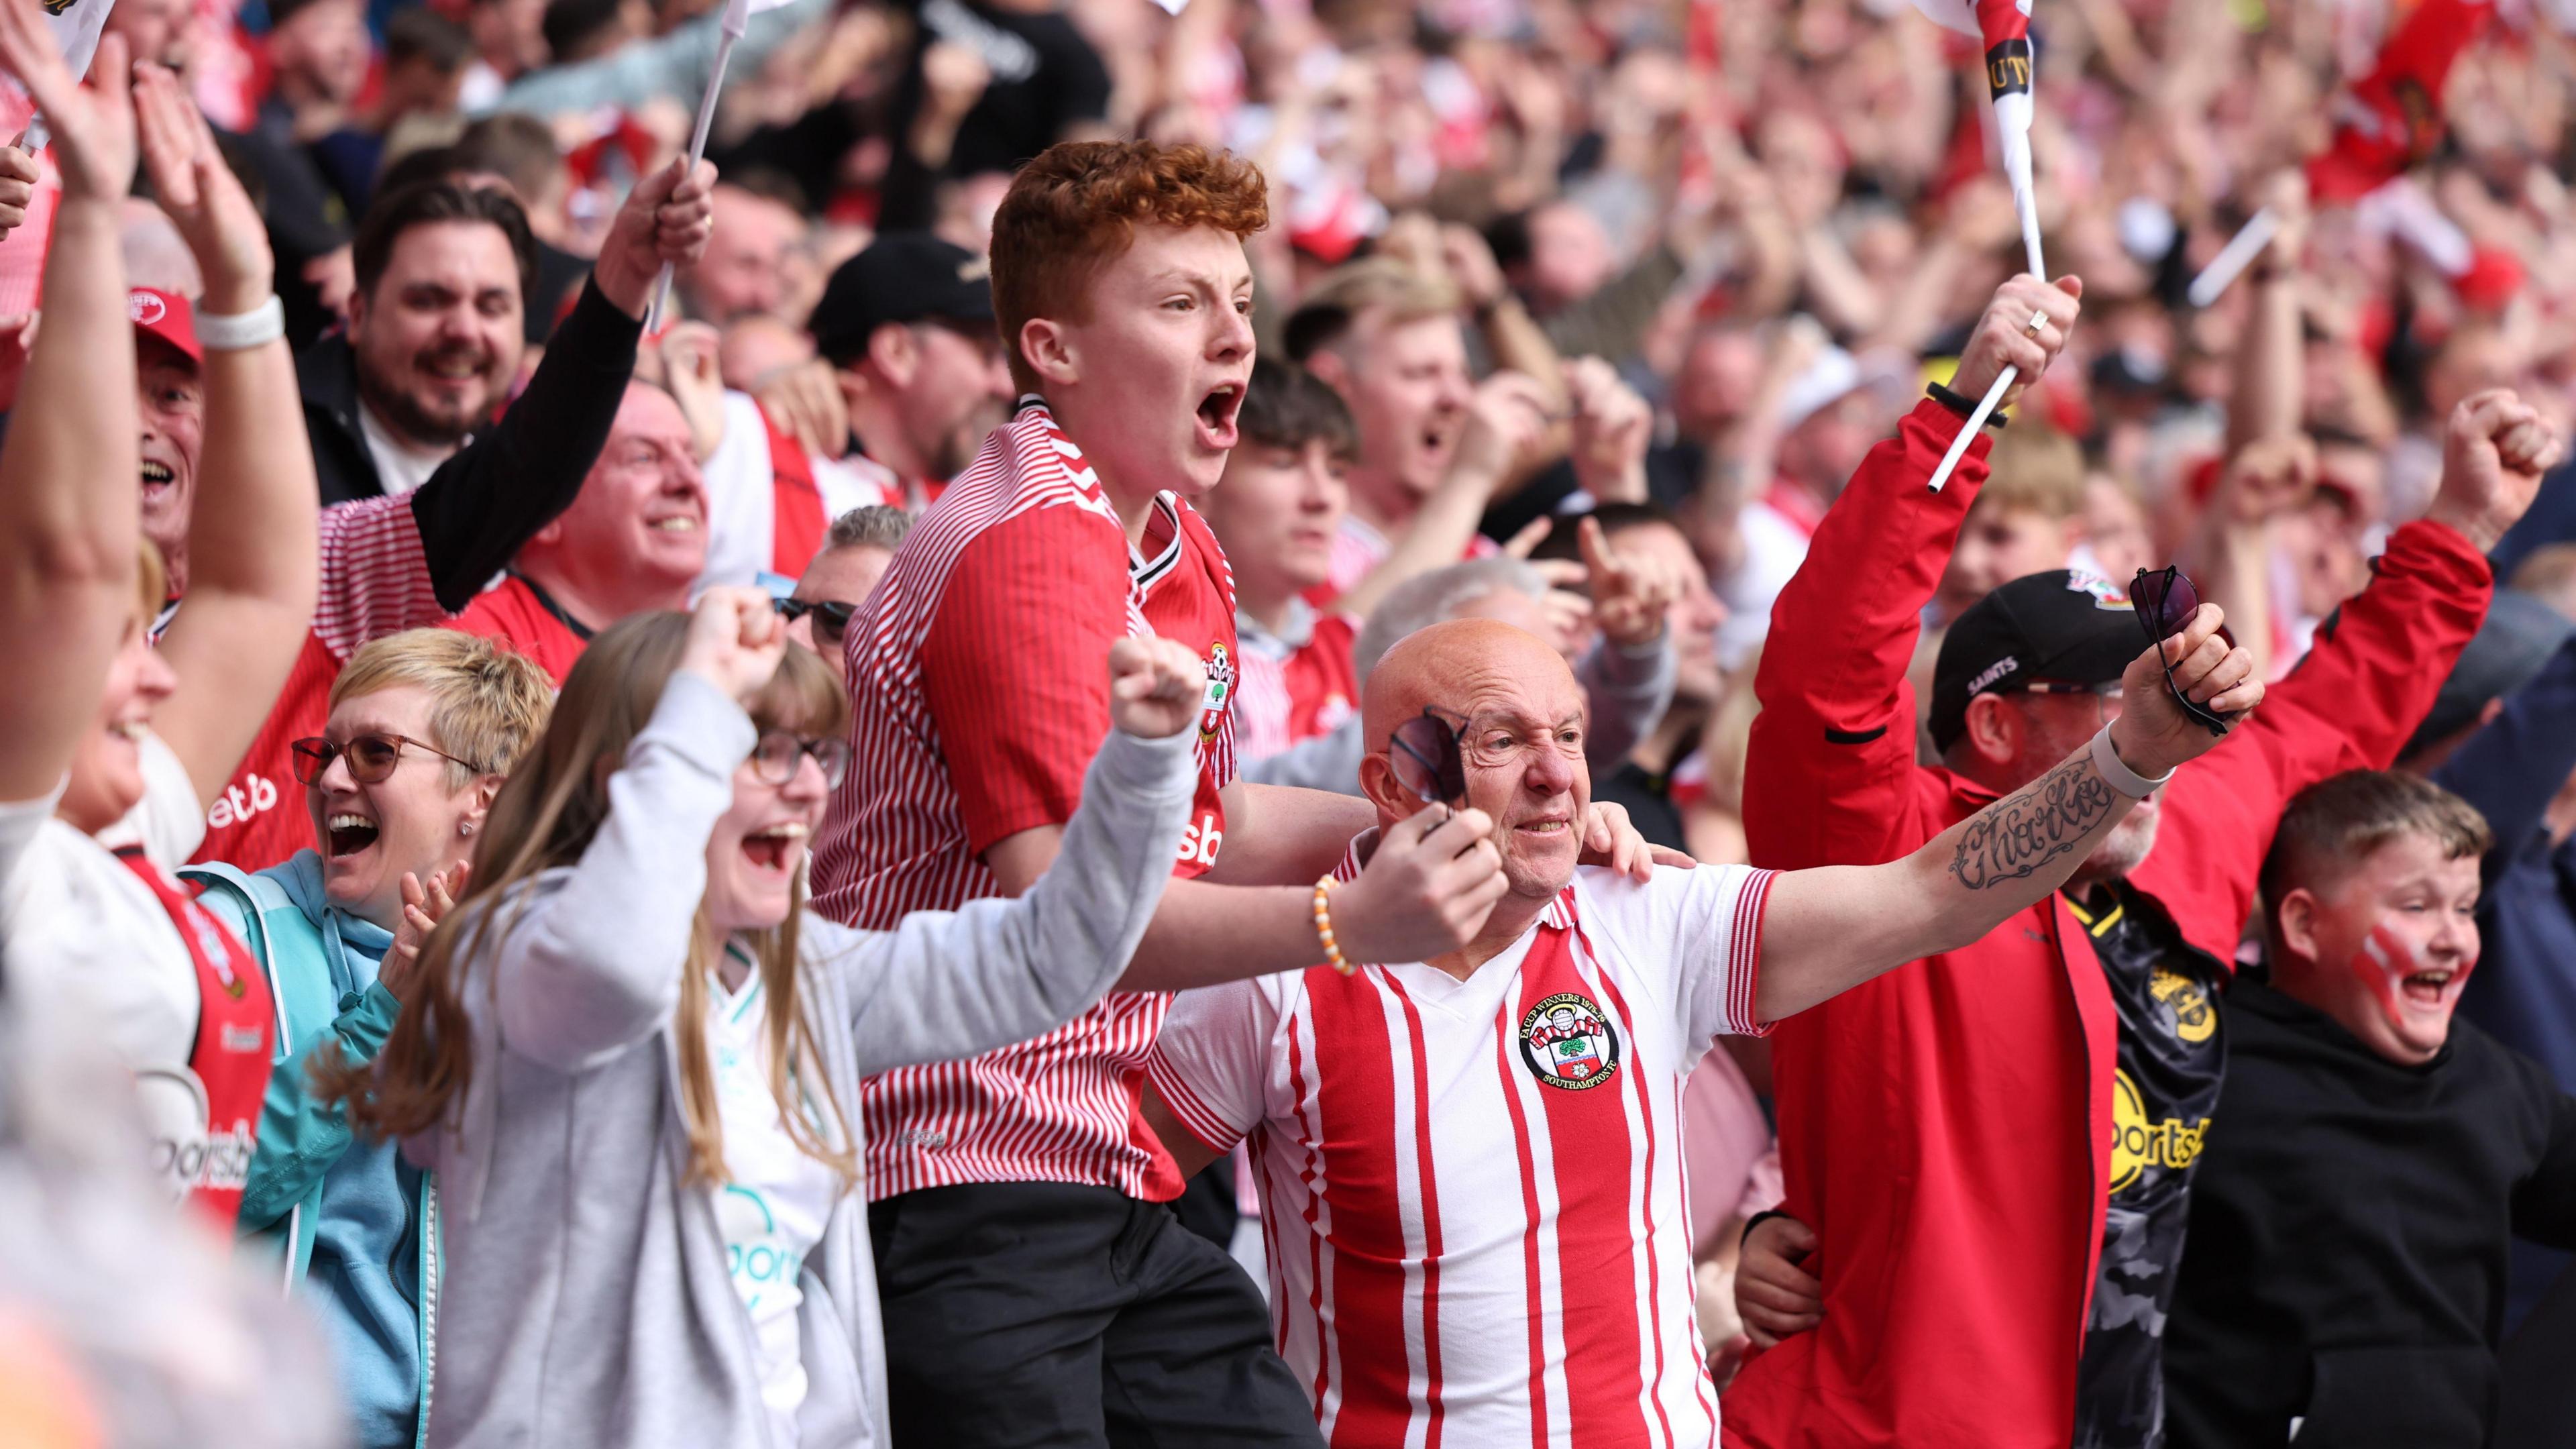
pixel 1987 1151
pixel 908 328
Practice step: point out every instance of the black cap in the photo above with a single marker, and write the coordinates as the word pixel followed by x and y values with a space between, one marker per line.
pixel 903 276
pixel 2065 626
pixel 2519 635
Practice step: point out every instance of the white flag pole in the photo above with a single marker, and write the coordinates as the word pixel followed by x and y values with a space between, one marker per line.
pixel 76 30
pixel 2012 127
pixel 737 19
pixel 2234 258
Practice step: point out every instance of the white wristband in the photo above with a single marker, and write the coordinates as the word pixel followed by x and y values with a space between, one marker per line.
pixel 257 327
pixel 2116 772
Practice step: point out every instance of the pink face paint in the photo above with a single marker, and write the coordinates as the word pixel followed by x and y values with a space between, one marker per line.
pixel 2384 962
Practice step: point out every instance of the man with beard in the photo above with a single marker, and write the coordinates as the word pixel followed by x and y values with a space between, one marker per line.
pixel 433 343
pixel 1993 1145
pixel 908 328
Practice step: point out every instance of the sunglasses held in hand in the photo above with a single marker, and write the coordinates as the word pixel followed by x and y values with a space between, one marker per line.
pixel 2165 602
pixel 1424 752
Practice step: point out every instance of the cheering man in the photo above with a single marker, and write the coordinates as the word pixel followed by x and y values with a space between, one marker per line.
pixel 1471 1163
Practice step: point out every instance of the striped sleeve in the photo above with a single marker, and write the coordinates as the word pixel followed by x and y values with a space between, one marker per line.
pixel 1715 938
pixel 1211 1060
pixel 375 576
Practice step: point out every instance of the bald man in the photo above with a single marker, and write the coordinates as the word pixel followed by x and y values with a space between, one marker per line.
pixel 1470 1166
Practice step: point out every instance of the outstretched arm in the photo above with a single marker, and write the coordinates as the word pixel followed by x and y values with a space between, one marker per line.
pixel 68 496
pixel 1830 929
pixel 482 504
pixel 252 555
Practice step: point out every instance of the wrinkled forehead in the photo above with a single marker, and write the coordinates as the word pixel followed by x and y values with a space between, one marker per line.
pixel 1474 672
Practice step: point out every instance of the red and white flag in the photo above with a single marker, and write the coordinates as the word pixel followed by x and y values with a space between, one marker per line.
pixel 2392 118
pixel 2003 28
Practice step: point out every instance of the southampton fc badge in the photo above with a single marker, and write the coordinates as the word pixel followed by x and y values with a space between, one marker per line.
pixel 1220 688
pixel 1567 1044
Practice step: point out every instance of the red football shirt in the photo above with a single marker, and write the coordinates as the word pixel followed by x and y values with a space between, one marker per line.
pixel 980 689
pixel 1299 693
pixel 375 581
pixel 518 614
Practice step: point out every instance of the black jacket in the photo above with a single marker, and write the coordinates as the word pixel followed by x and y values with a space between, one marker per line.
pixel 516 476
pixel 2345 1263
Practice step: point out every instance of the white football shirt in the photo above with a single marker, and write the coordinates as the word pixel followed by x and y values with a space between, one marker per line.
pixel 1472 1191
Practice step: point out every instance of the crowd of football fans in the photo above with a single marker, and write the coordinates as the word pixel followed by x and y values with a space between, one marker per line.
pixel 572 872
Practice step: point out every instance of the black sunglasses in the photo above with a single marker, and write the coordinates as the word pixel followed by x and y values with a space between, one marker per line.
pixel 831 616
pixel 2165 601
pixel 1424 752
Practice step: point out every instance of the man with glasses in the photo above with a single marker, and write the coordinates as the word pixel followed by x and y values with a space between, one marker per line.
pixel 1471 1165
pixel 634 540
pixel 1988 1150
pixel 854 556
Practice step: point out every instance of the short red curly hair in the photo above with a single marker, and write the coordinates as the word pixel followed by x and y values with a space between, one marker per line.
pixel 1077 206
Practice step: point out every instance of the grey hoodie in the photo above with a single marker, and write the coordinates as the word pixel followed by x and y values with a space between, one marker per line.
pixel 587 1300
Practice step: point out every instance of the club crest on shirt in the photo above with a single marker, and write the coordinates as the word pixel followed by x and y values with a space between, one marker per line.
pixel 1568 1044
pixel 1220 688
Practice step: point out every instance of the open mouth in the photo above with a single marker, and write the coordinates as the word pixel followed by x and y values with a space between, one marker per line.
pixel 347 834
pixel 1551 826
pixel 2425 988
pixel 676 523
pixel 1217 412
pixel 454 366
pixel 775 847
pixel 157 476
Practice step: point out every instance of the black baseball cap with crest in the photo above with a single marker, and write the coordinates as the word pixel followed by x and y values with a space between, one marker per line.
pixel 2065 626
pixel 903 276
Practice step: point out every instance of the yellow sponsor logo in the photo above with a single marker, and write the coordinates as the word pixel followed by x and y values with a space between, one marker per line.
pixel 2194 1017
pixel 2138 1144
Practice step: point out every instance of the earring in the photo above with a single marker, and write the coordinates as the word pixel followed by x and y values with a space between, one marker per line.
pixel 465 827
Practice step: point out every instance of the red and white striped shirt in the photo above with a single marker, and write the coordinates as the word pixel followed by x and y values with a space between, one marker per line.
pixel 1472 1191
pixel 1358 547
pixel 1291 692
pixel 980 691
pixel 375 581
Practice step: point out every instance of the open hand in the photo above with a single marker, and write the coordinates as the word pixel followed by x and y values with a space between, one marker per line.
pixel 1610 838
pixel 735 642
pixel 2003 338
pixel 1157 687
pixel 93 128
pixel 1504 422
pixel 2494 451
pixel 666 220
pixel 1425 893
pixel 805 401
pixel 2153 734
pixel 202 196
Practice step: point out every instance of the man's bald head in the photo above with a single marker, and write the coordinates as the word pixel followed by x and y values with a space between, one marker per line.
pixel 1520 717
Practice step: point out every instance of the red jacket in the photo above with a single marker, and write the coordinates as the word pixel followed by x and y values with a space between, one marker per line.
pixel 1945 1127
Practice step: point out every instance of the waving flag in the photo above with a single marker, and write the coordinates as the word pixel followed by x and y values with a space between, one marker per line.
pixel 2003 28
pixel 2392 118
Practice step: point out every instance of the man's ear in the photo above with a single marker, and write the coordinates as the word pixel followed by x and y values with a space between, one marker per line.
pixel 1050 352
pixel 357 313
pixel 1378 783
pixel 1995 730
pixel 1330 369
pixel 895 352
pixel 2295 923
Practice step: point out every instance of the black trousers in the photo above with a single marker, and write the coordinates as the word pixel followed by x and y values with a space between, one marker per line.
pixel 1038 1315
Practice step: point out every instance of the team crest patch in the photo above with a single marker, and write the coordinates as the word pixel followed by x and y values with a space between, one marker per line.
pixel 1220 688
pixel 1568 1044
pixel 2106 594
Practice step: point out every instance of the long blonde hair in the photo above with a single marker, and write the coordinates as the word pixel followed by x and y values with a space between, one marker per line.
pixel 546 816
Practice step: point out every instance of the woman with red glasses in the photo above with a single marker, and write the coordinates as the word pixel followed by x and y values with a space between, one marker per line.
pixel 423 728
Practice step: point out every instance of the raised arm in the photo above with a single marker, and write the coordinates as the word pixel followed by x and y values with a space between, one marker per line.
pixel 1828 930
pixel 252 554
pixel 476 511
pixel 68 499
pixel 942 985
pixel 1832 753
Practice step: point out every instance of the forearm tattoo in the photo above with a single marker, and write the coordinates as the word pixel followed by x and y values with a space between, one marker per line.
pixel 2012 838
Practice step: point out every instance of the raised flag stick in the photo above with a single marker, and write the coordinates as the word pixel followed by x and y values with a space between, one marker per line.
pixel 2016 149
pixel 2233 258
pixel 737 20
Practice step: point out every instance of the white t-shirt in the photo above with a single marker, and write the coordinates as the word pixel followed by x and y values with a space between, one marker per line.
pixel 400 467
pixel 773 1211
pixel 85 933
pixel 1472 1189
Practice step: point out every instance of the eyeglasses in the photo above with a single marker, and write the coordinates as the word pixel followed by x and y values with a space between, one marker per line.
pixel 371 757
pixel 831 617
pixel 779 754
pixel 1424 751
pixel 2165 602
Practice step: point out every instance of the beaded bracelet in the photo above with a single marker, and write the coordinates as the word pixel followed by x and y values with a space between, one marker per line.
pixel 1324 926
